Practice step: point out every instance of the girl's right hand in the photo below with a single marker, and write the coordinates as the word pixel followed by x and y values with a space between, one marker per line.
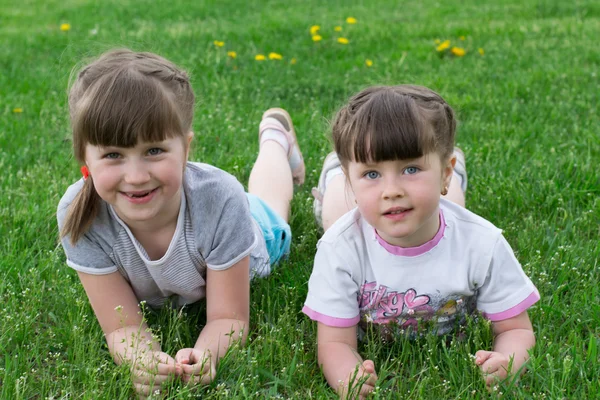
pixel 197 366
pixel 366 370
pixel 150 371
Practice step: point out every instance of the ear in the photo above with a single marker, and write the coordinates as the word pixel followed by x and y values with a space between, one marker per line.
pixel 188 141
pixel 448 170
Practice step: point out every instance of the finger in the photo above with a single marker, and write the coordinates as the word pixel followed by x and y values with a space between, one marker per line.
pixel 491 379
pixel 164 358
pixel 204 379
pixel 151 379
pixel 144 391
pixel 372 380
pixel 490 366
pixel 196 369
pixel 366 389
pixel 183 356
pixel 482 355
pixel 369 366
pixel 166 369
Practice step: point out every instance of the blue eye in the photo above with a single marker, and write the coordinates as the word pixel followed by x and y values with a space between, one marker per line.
pixel 411 170
pixel 155 151
pixel 372 175
pixel 112 156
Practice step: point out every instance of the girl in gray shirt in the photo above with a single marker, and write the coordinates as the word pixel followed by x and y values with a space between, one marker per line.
pixel 144 224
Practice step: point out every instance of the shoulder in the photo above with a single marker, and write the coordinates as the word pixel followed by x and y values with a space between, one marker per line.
pixel 469 227
pixel 207 181
pixel 348 227
pixel 348 239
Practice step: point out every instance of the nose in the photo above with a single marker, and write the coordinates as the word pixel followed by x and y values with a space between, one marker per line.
pixel 392 189
pixel 136 173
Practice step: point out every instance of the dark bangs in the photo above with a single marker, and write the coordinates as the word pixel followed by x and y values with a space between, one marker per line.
pixel 125 107
pixel 387 127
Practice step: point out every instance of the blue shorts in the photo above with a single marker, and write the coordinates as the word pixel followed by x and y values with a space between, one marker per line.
pixel 276 231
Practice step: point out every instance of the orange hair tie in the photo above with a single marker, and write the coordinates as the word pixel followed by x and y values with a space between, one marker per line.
pixel 85 172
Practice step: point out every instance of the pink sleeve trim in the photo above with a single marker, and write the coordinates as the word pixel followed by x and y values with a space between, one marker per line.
pixel 516 310
pixel 330 321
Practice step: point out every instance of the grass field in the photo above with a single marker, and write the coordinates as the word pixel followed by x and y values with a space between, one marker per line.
pixel 528 108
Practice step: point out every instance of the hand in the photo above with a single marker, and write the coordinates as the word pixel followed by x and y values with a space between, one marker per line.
pixel 197 366
pixel 150 370
pixel 493 365
pixel 348 389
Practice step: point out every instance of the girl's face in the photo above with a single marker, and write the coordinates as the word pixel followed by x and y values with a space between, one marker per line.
pixel 142 183
pixel 401 198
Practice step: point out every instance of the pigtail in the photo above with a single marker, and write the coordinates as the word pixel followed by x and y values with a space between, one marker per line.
pixel 81 212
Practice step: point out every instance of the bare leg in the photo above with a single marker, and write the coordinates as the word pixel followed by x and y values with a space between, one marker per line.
pixel 271 178
pixel 455 193
pixel 337 200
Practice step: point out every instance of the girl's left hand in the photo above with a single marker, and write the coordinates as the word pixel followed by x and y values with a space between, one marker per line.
pixel 493 364
pixel 197 366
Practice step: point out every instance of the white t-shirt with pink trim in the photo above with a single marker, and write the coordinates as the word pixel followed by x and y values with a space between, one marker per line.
pixel 358 278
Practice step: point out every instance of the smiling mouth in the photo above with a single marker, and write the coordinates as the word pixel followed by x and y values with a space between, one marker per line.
pixel 138 195
pixel 397 211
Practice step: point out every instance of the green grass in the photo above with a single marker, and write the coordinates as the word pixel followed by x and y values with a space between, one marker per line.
pixel 529 126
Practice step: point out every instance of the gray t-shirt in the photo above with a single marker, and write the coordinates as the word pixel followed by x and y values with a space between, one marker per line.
pixel 214 230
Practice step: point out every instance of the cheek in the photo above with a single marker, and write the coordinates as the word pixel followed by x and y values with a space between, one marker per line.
pixel 104 182
pixel 428 193
pixel 366 200
pixel 172 175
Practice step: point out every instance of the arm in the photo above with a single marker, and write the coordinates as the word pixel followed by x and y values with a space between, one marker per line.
pixel 227 320
pixel 127 335
pixel 513 337
pixel 342 366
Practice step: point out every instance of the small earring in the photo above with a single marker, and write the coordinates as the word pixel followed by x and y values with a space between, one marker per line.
pixel 445 191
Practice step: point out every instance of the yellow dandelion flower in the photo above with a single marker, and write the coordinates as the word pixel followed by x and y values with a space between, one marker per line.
pixel 260 57
pixel 343 40
pixel 219 43
pixel 232 54
pixel 275 56
pixel 314 29
pixel 337 28
pixel 480 50
pixel 368 63
pixel 65 27
pixel 293 61
pixel 437 41
pixel 458 51
pixel 443 46
pixel 17 110
pixel 461 37
pixel 317 38
pixel 351 20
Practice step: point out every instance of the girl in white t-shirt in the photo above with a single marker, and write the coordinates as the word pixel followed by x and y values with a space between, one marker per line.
pixel 144 224
pixel 397 256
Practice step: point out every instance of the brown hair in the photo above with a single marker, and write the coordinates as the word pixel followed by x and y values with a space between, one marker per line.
pixel 117 100
pixel 384 123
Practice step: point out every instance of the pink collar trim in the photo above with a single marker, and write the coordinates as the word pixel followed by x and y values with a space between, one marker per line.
pixel 415 251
